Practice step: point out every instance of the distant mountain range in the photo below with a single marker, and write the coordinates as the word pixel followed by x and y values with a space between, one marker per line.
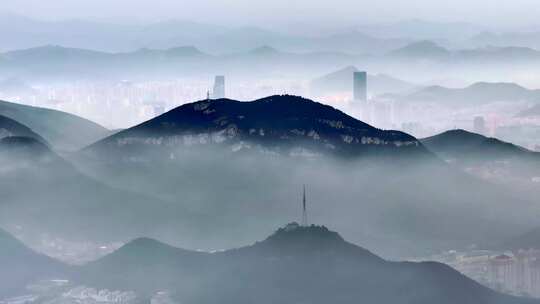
pixel 341 81
pixel 295 264
pixel 52 63
pixel 476 94
pixel 28 33
pixel 62 130
pixel 432 52
pixel 526 39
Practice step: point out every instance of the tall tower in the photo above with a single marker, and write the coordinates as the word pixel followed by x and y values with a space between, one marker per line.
pixel 304 209
pixel 219 87
pixel 360 86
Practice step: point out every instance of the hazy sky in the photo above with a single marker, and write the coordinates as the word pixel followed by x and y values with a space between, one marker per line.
pixel 242 12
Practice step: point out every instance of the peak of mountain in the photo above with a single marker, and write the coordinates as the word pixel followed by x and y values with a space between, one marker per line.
pixel 422 50
pixel 498 86
pixel 264 50
pixel 280 123
pixel 52 52
pixel 463 145
pixel 285 270
pixel 61 130
pixel 181 51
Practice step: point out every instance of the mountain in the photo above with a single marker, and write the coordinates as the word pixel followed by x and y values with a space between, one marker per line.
pixel 9 127
pixel 422 29
pixel 524 241
pixel 422 50
pixel 429 51
pixel 525 39
pixel 115 37
pixel 295 264
pixel 475 94
pixel 488 158
pixel 62 130
pixel 52 63
pixel 21 266
pixel 341 81
pixel 285 124
pixel 460 144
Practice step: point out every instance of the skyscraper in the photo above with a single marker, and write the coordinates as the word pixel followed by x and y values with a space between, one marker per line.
pixel 304 209
pixel 360 86
pixel 219 87
pixel 479 125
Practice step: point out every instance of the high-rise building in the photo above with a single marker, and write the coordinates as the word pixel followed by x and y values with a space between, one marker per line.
pixel 219 87
pixel 360 86
pixel 479 125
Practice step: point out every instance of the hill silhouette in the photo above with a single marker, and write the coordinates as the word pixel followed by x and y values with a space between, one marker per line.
pixel 295 264
pixel 463 145
pixel 10 127
pixel 281 124
pixel 475 94
pixel 61 130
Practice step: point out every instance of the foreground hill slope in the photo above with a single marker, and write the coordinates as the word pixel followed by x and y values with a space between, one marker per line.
pixel 294 265
pixel 36 183
pixel 62 130
pixel 21 266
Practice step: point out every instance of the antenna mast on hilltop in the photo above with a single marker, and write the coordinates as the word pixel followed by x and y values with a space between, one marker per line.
pixel 304 209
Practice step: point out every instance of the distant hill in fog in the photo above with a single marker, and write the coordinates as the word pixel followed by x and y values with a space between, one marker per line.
pixel 487 55
pixel 52 63
pixel 475 94
pixel 295 264
pixel 462 145
pixel 528 240
pixel 21 266
pixel 488 158
pixel 341 81
pixel 62 130
pixel 525 39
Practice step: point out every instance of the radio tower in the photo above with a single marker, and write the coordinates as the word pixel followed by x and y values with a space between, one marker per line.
pixel 304 209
